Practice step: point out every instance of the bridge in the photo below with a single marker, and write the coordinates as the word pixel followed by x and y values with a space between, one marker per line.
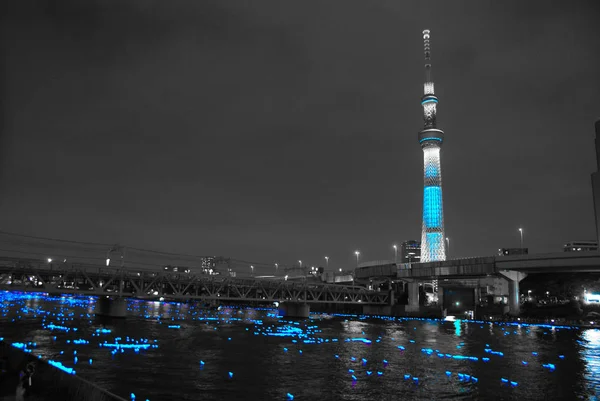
pixel 513 268
pixel 115 283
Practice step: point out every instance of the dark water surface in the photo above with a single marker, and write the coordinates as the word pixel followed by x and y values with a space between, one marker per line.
pixel 312 359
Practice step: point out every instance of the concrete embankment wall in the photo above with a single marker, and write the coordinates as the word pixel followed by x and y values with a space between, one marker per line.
pixel 48 382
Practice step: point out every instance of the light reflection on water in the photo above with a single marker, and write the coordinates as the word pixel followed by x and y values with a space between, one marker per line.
pixel 267 367
pixel 591 355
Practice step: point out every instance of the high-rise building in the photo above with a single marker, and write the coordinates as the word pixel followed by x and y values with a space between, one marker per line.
pixel 430 139
pixel 410 252
pixel 596 183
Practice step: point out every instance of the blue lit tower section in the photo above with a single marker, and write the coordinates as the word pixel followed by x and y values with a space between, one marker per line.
pixel 430 139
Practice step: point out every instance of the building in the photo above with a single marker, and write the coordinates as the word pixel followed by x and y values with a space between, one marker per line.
pixel 410 252
pixel 580 246
pixel 433 246
pixel 596 183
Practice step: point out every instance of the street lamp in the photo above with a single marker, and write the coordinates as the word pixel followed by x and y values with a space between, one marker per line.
pixel 395 254
pixel 300 263
pixel 252 268
pixel 447 246
pixel 49 260
pixel 340 269
pixel 276 267
pixel 521 231
pixel 327 262
pixel 357 253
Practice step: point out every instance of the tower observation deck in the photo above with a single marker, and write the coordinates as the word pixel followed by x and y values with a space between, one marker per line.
pixel 431 139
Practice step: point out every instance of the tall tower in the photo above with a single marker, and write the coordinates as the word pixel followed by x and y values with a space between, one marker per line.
pixel 430 139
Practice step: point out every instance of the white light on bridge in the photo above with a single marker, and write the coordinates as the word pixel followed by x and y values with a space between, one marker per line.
pixel 49 260
pixel 107 261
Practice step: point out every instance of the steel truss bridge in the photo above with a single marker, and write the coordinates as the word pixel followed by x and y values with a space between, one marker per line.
pixel 86 279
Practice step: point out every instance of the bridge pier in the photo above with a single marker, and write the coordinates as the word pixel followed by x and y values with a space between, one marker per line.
pixel 111 307
pixel 513 278
pixel 413 296
pixel 294 309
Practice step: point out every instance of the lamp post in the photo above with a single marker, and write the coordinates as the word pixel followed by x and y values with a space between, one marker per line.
pixel 447 247
pixel 357 253
pixel 521 231
pixel 276 267
pixel 252 268
pixel 300 262
pixel 395 254
pixel 327 262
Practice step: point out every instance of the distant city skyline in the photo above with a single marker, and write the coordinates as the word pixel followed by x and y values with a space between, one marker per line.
pixel 277 132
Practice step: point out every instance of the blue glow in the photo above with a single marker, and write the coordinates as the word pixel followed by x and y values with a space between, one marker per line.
pixel 364 340
pixel 431 170
pixel 429 101
pixel 457 328
pixel 430 139
pixel 434 241
pixel 290 396
pixel 432 206
pixel 62 367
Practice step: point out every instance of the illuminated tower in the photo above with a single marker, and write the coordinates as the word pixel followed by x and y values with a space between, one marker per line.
pixel 430 139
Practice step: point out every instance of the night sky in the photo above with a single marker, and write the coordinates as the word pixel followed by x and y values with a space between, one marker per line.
pixel 274 131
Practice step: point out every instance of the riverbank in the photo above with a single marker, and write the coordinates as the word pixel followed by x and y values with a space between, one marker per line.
pixel 48 382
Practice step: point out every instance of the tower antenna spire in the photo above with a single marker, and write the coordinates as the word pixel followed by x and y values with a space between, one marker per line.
pixel 427 51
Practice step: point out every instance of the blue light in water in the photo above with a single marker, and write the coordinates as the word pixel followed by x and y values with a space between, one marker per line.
pixel 354 378
pixel 364 340
pixel 290 396
pixel 485 359
pixel 62 367
pixel 432 207
pixel 369 373
pixel 457 328
pixel 230 375
pixel 448 373
pixel 406 376
pixel 379 373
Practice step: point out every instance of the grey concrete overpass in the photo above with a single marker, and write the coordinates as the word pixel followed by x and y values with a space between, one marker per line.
pixel 512 268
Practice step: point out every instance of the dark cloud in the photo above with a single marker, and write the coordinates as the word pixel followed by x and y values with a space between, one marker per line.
pixel 285 131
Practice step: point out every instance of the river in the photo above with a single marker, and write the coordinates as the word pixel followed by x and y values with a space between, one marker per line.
pixel 177 351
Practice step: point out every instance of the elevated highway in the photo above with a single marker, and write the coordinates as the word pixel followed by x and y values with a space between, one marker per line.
pixel 513 268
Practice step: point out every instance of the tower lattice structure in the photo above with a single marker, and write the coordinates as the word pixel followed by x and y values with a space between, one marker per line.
pixel 431 138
